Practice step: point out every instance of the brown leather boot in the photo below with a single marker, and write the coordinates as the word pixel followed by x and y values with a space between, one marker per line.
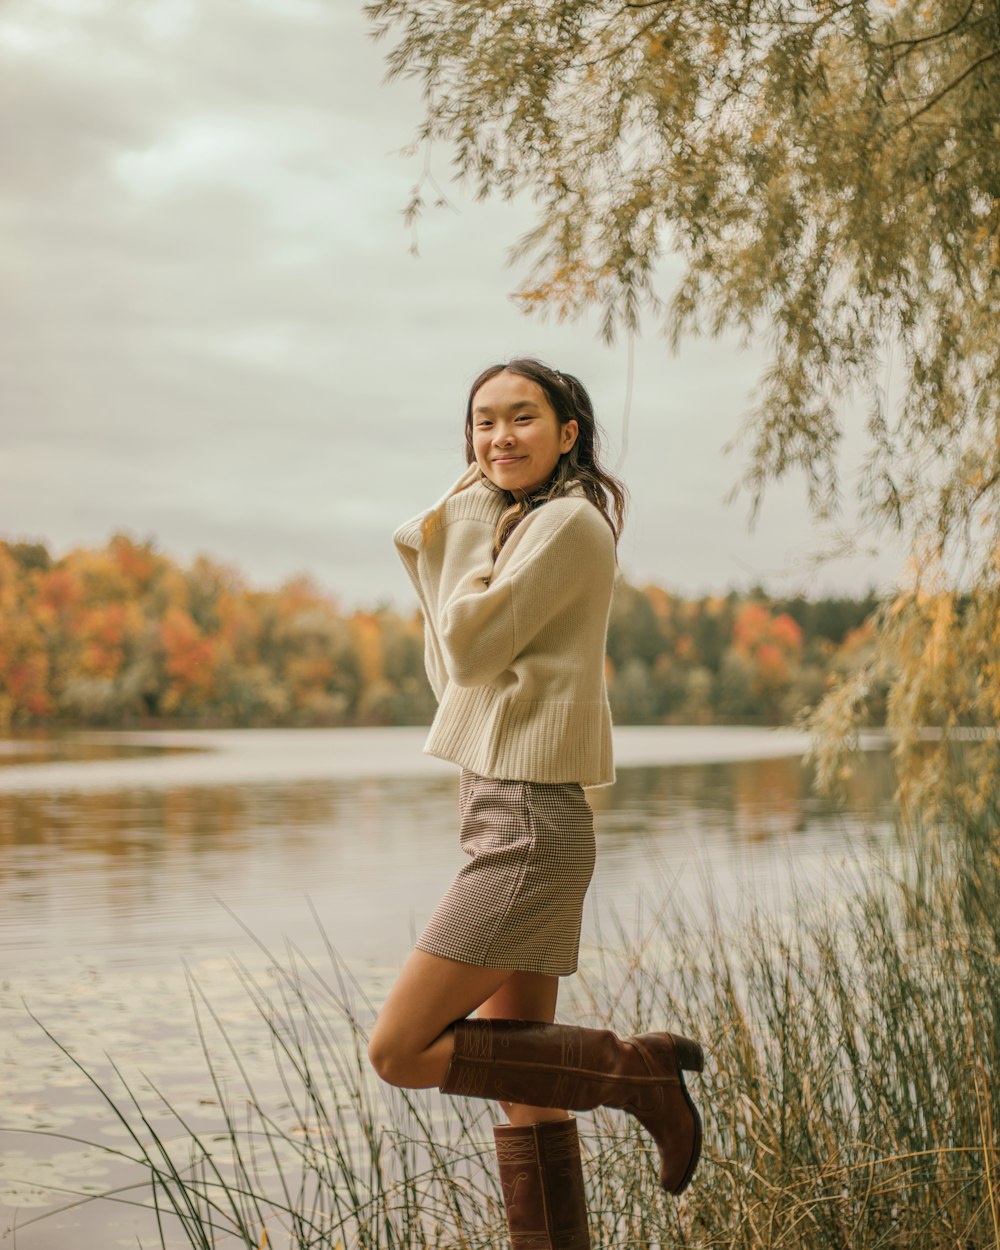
pixel 561 1065
pixel 542 1181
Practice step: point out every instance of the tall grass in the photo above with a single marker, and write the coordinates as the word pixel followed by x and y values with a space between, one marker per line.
pixel 848 1100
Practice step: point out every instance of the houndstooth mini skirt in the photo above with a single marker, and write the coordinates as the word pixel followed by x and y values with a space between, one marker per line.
pixel 518 902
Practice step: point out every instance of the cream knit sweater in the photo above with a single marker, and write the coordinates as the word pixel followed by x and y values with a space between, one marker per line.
pixel 514 650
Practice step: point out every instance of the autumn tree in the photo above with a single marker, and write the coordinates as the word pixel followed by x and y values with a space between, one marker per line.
pixel 770 647
pixel 827 174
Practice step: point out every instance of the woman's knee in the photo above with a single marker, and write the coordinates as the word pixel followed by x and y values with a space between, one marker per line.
pixel 386 1058
pixel 393 1058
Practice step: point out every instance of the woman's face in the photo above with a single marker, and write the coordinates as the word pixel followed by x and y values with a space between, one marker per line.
pixel 516 434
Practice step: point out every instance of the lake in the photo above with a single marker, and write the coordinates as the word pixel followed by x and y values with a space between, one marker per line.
pixel 135 864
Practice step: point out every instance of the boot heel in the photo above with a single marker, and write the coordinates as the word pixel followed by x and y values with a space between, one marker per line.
pixel 690 1056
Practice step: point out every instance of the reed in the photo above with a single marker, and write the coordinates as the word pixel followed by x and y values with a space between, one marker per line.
pixel 848 1099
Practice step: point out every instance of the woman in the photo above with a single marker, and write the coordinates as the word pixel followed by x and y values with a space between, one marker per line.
pixel 514 568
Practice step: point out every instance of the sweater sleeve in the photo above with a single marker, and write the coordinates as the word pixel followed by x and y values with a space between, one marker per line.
pixel 485 622
pixel 434 664
pixel 467 513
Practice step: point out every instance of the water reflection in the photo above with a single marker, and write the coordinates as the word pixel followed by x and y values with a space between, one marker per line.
pixel 106 895
pixel 750 798
pixel 80 870
pixel 48 747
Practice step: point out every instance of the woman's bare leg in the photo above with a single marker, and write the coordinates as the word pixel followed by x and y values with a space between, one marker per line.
pixel 409 1045
pixel 525 996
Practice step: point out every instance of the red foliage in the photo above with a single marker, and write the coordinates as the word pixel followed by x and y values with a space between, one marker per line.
pixel 26 680
pixel 188 658
pixel 59 592
pixel 750 626
pixel 786 631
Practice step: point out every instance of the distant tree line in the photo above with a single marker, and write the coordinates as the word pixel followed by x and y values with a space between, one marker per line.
pixel 124 636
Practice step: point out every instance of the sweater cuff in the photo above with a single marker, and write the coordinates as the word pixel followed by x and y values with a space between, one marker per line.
pixel 410 533
pixel 475 502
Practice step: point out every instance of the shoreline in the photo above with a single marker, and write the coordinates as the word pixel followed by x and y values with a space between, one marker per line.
pixel 212 757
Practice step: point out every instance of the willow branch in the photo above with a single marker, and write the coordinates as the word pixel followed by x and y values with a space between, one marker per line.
pixel 939 96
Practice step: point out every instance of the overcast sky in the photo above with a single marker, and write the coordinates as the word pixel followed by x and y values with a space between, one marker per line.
pixel 215 335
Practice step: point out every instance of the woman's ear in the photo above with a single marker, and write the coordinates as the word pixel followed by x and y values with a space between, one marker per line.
pixel 568 434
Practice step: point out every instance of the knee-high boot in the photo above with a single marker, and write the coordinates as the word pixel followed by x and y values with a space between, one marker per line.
pixel 561 1065
pixel 542 1181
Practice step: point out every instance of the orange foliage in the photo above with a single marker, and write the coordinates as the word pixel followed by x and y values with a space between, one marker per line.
pixel 24 669
pixel 660 601
pixel 368 640
pixel 301 592
pixel 750 626
pixel 239 626
pixel 136 561
pixel 571 285
pixel 188 658
pixel 8 577
pixel 770 643
pixel 124 632
pixel 786 631
pixel 771 664
pixel 104 633
pixel 98 574
pixel 59 594
pixel 26 683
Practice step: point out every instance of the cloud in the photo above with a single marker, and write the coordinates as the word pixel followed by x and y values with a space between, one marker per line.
pixel 215 333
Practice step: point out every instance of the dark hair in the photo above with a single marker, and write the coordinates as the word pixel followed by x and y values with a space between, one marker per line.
pixel 570 401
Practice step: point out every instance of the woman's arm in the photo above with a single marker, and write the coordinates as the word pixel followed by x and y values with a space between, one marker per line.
pixel 466 517
pixel 409 538
pixel 485 621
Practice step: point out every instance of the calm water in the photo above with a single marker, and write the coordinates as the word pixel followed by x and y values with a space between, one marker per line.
pixel 131 862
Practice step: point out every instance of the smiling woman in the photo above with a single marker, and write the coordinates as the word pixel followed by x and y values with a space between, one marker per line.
pixel 533 434
pixel 515 569
pixel 517 436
